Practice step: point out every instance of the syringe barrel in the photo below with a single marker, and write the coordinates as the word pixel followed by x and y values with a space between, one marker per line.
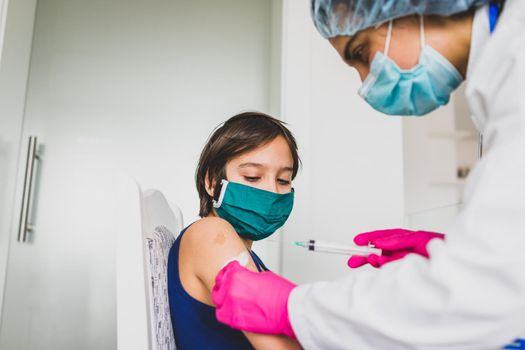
pixel 335 248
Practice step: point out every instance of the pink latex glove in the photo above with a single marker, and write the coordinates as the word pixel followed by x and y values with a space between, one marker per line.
pixel 395 243
pixel 251 301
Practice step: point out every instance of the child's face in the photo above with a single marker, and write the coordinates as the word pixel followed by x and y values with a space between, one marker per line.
pixel 268 167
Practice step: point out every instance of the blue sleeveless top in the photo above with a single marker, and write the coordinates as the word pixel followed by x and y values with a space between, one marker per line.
pixel 194 323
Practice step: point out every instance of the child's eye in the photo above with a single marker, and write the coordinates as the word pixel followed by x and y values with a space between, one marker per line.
pixel 251 178
pixel 284 182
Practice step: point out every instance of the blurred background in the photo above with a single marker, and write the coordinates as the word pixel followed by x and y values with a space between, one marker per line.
pixel 140 85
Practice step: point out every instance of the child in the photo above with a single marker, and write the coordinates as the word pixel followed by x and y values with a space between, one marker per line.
pixel 244 179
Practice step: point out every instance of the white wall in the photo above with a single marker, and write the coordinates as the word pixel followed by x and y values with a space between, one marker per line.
pixel 157 77
pixel 270 249
pixel 352 178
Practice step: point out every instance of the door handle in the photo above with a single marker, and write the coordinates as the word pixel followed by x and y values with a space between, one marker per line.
pixel 32 156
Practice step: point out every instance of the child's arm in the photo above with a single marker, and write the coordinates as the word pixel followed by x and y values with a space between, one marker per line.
pixel 213 243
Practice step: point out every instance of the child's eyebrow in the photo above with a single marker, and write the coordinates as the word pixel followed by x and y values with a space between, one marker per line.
pixel 259 165
pixel 251 164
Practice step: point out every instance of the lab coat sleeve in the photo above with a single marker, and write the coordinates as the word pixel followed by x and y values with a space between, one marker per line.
pixel 471 293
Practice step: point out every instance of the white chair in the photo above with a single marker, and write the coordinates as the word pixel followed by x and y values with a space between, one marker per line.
pixel 148 225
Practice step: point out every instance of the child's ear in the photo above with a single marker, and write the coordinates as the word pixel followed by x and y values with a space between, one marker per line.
pixel 210 187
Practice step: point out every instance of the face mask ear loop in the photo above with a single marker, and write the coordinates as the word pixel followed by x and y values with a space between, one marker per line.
pixel 218 203
pixel 422 31
pixel 388 37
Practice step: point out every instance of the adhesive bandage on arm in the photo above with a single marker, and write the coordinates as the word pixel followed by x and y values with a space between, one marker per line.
pixel 243 258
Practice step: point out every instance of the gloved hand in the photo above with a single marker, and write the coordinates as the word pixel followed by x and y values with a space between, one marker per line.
pixel 251 301
pixel 395 243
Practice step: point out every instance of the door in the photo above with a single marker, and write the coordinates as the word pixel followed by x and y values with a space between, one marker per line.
pixel 16 33
pixel 120 83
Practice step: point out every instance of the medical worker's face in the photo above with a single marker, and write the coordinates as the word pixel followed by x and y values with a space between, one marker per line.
pixel 269 167
pixel 359 50
pixel 449 36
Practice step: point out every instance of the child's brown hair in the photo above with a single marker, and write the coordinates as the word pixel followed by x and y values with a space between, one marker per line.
pixel 239 134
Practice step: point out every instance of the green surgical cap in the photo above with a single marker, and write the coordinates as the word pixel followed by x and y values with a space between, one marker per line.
pixel 347 17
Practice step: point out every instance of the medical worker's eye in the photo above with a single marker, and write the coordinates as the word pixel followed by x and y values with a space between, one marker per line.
pixel 356 54
pixel 356 49
pixel 251 178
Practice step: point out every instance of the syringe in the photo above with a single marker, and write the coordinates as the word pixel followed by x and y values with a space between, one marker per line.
pixel 337 248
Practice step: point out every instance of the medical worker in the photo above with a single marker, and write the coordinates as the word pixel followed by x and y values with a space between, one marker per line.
pixel 470 294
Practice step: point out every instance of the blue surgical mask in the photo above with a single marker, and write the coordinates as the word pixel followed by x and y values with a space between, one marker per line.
pixel 254 214
pixel 416 91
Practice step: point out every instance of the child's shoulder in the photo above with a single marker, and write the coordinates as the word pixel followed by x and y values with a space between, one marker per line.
pixel 210 222
pixel 210 243
pixel 211 233
pixel 209 226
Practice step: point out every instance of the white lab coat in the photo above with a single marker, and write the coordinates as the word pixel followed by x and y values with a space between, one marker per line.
pixel 471 293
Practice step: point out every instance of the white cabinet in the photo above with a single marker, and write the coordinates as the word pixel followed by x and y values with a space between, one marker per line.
pixel 439 149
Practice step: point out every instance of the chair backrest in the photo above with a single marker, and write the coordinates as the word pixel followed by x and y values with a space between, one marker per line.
pixel 161 222
pixel 147 228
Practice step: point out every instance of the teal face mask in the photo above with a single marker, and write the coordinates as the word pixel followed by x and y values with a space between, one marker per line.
pixel 254 214
pixel 416 91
